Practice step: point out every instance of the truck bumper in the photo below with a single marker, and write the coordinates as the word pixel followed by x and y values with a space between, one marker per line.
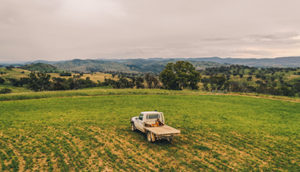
pixel 165 136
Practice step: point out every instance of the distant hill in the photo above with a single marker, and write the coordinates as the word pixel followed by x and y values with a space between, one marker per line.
pixel 265 62
pixel 42 67
pixel 126 65
pixel 91 66
pixel 154 65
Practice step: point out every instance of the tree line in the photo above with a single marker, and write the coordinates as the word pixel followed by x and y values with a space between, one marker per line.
pixel 39 81
pixel 177 76
pixel 239 78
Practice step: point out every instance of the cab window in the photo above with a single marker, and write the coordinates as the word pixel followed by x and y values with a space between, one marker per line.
pixel 141 117
pixel 153 116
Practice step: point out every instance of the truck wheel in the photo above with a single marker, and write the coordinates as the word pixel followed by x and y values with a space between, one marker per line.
pixel 150 137
pixel 133 127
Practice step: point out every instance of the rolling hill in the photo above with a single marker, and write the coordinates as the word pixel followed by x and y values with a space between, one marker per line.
pixel 42 67
pixel 264 62
pixel 156 65
pixel 126 65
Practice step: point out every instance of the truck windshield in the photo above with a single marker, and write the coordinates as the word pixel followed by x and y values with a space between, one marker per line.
pixel 141 117
pixel 152 116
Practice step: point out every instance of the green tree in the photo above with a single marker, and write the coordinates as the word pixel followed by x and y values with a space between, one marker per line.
pixel 179 76
pixel 139 82
pixel 60 84
pixel 2 80
pixel 5 91
pixel 217 82
pixel 152 81
pixel 39 81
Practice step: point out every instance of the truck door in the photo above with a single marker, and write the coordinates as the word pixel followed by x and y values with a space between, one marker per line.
pixel 139 123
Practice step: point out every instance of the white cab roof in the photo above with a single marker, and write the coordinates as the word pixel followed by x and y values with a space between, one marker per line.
pixel 150 112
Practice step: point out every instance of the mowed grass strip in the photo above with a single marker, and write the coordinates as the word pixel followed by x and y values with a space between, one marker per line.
pixel 93 133
pixel 97 91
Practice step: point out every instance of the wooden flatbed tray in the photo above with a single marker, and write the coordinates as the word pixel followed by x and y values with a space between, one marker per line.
pixel 162 130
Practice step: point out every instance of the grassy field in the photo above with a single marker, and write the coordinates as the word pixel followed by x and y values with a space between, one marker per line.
pixel 89 130
pixel 19 73
pixel 97 76
pixel 14 73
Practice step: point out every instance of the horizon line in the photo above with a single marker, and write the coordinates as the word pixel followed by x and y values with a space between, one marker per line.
pixel 133 58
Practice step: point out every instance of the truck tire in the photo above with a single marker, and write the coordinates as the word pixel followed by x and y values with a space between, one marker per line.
pixel 170 139
pixel 133 127
pixel 150 137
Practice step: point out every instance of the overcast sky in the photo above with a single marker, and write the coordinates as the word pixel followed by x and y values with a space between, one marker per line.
pixel 67 29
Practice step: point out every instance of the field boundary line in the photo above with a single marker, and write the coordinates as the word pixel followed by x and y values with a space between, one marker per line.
pixel 45 95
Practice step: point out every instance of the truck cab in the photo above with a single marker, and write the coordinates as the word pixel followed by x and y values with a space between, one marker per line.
pixel 147 118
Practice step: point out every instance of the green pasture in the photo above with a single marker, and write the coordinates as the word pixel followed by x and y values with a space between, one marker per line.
pixel 90 130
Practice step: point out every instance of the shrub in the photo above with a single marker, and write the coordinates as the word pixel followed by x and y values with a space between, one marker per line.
pixel 65 74
pixel 2 80
pixel 5 91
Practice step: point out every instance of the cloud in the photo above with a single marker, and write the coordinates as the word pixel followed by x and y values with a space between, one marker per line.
pixel 66 29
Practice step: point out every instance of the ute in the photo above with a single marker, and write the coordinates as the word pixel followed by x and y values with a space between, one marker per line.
pixel 152 123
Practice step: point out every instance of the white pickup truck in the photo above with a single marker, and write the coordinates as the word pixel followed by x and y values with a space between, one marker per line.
pixel 153 124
